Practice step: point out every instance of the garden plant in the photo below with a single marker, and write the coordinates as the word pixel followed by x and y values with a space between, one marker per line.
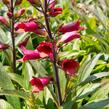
pixel 54 54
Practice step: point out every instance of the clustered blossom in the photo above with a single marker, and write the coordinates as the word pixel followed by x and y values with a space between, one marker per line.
pixel 68 33
pixel 53 10
pixel 40 83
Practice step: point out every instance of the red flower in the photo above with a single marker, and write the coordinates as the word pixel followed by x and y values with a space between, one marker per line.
pixel 30 26
pixel 69 36
pixel 55 11
pixel 73 26
pixel 70 66
pixel 39 83
pixel 45 49
pixel 29 54
pixel 3 46
pixel 3 21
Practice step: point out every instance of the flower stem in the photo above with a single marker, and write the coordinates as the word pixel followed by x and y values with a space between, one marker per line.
pixel 13 37
pixel 54 53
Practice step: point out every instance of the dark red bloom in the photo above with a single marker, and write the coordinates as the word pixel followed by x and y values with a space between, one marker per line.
pixel 39 83
pixel 3 46
pixel 70 66
pixel 55 11
pixel 45 49
pixel 69 36
pixel 29 54
pixel 73 26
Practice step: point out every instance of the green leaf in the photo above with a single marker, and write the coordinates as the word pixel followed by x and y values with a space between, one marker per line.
pixel 16 93
pixel 88 67
pixel 5 105
pixel 5 83
pixel 102 93
pixel 63 82
pixel 27 73
pixel 96 104
pixel 87 89
pixel 17 78
pixel 94 77
pixel 38 67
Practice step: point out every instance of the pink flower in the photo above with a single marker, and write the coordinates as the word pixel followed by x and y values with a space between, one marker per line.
pixel 29 54
pixel 73 26
pixel 52 4
pixel 30 26
pixel 45 49
pixel 55 11
pixel 39 83
pixel 3 21
pixel 3 46
pixel 69 36
pixel 70 66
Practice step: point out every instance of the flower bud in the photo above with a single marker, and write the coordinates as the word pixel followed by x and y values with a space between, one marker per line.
pixel 20 12
pixel 18 2
pixel 9 14
pixel 6 2
pixel 3 21
pixel 3 46
pixel 35 2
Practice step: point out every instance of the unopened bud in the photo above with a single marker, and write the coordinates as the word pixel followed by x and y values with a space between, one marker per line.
pixel 35 2
pixel 20 12
pixel 9 14
pixel 6 2
pixel 18 2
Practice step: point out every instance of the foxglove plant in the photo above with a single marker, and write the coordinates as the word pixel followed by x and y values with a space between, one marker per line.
pixel 48 49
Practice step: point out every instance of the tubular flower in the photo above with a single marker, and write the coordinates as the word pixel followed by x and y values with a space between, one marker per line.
pixel 45 49
pixel 70 66
pixel 39 83
pixel 30 26
pixel 54 11
pixel 69 36
pixel 73 26
pixel 29 54
pixel 3 21
pixel 3 46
